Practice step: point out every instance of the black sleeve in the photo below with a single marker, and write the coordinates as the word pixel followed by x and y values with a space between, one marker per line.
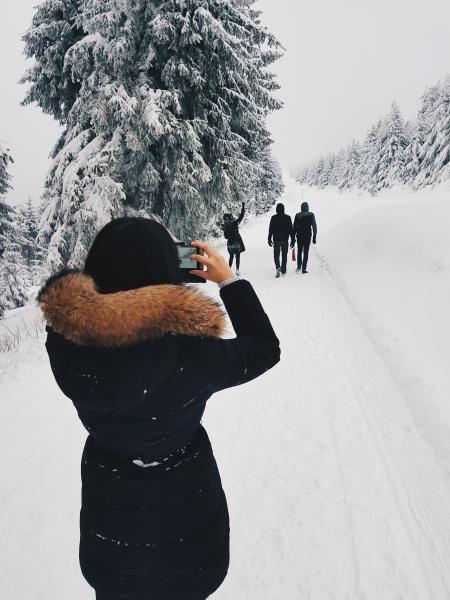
pixel 294 228
pixel 256 348
pixel 241 216
pixel 314 225
pixel 270 230
pixel 291 231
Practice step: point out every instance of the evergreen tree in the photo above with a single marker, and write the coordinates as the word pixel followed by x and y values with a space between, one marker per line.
pixel 392 141
pixel 435 151
pixel 32 252
pixel 340 164
pixel 369 165
pixel 352 162
pixel 6 223
pixel 54 30
pixel 6 211
pixel 426 120
pixel 14 274
pixel 326 172
pixel 383 153
pixel 304 175
pixel 5 177
pixel 413 156
pixel 164 105
pixel 270 186
pixel 14 278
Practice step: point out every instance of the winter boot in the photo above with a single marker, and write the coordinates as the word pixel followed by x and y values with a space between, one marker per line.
pixel 278 273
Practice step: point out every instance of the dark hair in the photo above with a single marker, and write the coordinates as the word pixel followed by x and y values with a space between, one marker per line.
pixel 132 252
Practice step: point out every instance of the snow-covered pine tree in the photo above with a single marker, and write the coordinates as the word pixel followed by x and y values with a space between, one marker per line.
pixel 352 162
pixel 392 141
pixel 426 120
pixel 326 172
pixel 164 104
pixel 339 164
pixel 434 154
pixel 32 252
pixel 5 177
pixel 14 274
pixel 303 175
pixel 370 159
pixel 270 185
pixel 14 279
pixel 412 161
pixel 6 211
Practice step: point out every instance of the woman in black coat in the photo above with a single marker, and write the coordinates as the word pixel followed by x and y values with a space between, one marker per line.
pixel 139 354
pixel 235 243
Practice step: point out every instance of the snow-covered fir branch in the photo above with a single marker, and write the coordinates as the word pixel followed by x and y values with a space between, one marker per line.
pixel 393 152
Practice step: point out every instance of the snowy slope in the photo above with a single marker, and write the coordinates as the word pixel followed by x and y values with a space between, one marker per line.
pixel 335 491
pixel 390 256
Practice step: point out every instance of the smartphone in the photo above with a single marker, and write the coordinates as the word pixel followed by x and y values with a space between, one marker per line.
pixel 185 251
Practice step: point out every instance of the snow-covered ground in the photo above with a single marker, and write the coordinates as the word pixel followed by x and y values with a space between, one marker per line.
pixel 336 463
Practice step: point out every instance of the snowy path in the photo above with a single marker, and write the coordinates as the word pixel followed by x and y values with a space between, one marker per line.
pixel 334 494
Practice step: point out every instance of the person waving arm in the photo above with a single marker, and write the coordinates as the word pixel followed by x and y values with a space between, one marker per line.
pixel 241 216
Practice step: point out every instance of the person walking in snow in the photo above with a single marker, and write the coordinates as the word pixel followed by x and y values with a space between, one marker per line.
pixel 305 227
pixel 235 244
pixel 280 230
pixel 154 520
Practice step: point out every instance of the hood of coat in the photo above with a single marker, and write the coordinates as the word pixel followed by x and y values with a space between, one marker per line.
pixel 305 207
pixel 73 307
pixel 280 209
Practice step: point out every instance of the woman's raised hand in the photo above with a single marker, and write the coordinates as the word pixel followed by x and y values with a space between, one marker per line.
pixel 217 269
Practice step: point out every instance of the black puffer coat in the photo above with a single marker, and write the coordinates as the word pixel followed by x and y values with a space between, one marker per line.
pixel 230 227
pixel 139 367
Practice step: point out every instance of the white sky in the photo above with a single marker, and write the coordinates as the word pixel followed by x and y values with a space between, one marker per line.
pixel 346 62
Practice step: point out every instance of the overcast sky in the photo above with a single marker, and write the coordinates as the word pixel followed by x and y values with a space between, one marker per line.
pixel 346 61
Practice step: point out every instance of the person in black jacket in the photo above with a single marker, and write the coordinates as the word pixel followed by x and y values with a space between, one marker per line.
pixel 304 224
pixel 140 354
pixel 280 230
pixel 235 244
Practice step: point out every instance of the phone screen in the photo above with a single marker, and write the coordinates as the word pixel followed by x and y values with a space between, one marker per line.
pixel 184 254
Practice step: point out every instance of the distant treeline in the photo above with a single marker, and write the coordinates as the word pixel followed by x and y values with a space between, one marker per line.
pixel 394 151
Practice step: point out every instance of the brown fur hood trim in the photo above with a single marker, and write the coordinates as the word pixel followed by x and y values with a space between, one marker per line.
pixel 74 308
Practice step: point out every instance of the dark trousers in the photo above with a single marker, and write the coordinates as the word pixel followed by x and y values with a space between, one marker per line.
pixel 238 259
pixel 280 246
pixel 303 252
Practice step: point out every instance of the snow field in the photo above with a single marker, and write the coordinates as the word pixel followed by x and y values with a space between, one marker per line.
pixel 335 491
pixel 344 498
